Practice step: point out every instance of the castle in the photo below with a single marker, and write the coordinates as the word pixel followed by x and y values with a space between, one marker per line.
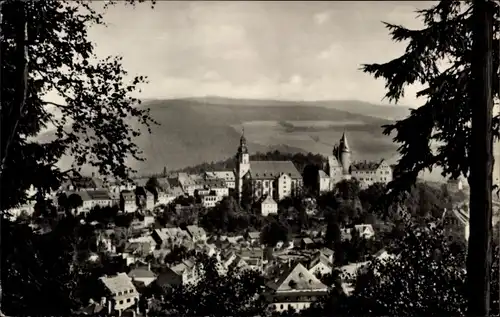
pixel 339 166
pixel 265 179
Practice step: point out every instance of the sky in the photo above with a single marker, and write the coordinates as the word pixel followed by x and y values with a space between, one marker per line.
pixel 278 50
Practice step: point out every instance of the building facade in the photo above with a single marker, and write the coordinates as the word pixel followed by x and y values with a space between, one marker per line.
pixel 274 179
pixel 339 166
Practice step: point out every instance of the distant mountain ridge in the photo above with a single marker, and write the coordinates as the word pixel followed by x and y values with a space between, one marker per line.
pixel 385 111
pixel 197 130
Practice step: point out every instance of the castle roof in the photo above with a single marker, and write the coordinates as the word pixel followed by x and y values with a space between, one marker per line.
pixel 273 169
pixel 366 166
pixel 344 146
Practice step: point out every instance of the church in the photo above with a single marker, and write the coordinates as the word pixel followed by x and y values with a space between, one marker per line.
pixel 274 179
pixel 339 166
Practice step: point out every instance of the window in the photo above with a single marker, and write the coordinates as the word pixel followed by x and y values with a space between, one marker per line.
pixel 281 306
pixel 121 302
pixel 128 300
pixel 119 293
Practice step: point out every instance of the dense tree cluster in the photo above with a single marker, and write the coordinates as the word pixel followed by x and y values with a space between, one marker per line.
pixel 234 294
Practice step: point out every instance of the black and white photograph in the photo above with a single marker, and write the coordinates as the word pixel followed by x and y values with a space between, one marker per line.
pixel 249 158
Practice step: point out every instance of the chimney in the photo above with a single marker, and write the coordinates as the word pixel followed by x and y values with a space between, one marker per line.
pixel 103 301
pixel 149 266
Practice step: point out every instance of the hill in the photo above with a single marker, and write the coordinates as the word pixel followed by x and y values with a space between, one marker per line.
pixel 389 112
pixel 194 131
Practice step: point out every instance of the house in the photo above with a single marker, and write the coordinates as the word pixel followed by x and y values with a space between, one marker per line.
pixel 328 253
pixel 208 249
pixel 383 255
pixel 187 271
pixel 94 309
pixel 149 201
pixel 165 197
pixel 161 238
pixel 190 183
pixel 306 243
pixel 168 278
pixel 100 197
pixel 268 207
pixel 297 288
pixel 253 237
pixel 239 264
pixel 144 239
pixel 144 198
pixel 365 231
pixel 227 176
pixel 253 257
pixel 149 220
pixel 120 292
pixel 135 251
pixel 218 186
pixel 166 237
pixel 350 271
pixel 235 240
pixel 197 233
pixel 226 258
pixel 320 264
pixel 143 275
pixel 128 202
pixel 210 201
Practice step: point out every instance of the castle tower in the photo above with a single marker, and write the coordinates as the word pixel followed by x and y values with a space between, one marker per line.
pixel 344 155
pixel 242 163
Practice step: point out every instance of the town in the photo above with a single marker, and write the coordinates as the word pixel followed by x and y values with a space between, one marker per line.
pixel 249 158
pixel 257 218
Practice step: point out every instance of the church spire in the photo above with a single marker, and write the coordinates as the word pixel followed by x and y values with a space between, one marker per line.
pixel 243 142
pixel 344 146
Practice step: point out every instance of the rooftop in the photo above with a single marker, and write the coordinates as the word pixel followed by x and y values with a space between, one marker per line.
pixel 118 283
pixel 298 278
pixel 273 169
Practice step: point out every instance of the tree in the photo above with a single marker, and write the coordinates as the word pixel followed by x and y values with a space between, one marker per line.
pixel 152 185
pixel 74 202
pixel 273 233
pixel 348 189
pixel 453 56
pixel 310 176
pixel 371 196
pixel 45 49
pixel 234 294
pixel 93 127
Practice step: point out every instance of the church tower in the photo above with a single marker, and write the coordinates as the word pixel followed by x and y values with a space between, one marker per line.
pixel 242 163
pixel 344 155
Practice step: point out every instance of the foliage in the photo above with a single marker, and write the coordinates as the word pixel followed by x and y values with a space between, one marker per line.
pixel 43 274
pixel 274 232
pixel 226 216
pixel 152 185
pixel 439 56
pixel 310 177
pixel 234 294
pixel 300 161
pixel 104 215
pixel 45 49
pixel 371 196
pixel 177 255
pixel 348 189
pixel 426 278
